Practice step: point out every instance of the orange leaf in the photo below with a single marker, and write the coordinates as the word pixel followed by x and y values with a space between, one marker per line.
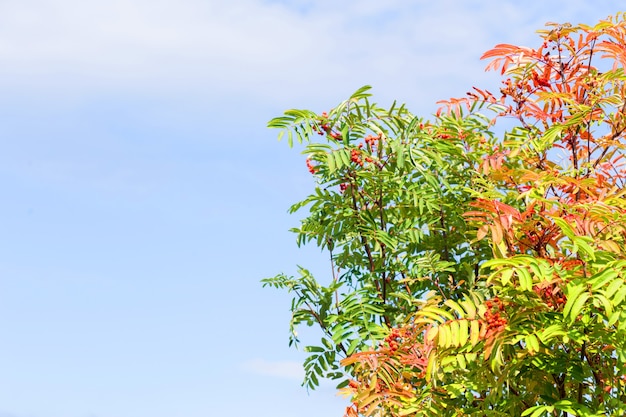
pixel 496 233
pixel 482 232
pixel 504 49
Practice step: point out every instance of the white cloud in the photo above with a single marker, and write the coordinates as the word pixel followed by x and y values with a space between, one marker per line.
pixel 141 42
pixel 270 48
pixel 278 369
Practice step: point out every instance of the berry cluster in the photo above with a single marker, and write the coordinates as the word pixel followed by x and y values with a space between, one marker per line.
pixel 312 169
pixel 355 156
pixel 517 91
pixel 495 320
pixel 393 340
pixel 552 296
pixel 372 140
pixel 335 135
pixel 325 128
pixel 343 187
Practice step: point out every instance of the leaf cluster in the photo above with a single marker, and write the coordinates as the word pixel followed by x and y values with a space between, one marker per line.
pixel 473 273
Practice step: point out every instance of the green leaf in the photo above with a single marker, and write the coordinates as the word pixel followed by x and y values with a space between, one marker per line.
pixel 361 93
pixel 572 292
pixel 565 227
pixel 582 243
pixel 598 280
pixel 532 343
pixel 538 411
pixel 313 349
pixel 327 344
pixel 605 303
pixel 330 162
pixel 576 306
pixel 525 280
pixel 552 331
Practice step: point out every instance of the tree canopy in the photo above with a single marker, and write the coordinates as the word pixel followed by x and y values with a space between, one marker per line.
pixel 475 270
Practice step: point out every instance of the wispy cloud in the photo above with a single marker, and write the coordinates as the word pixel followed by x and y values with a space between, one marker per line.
pixel 278 369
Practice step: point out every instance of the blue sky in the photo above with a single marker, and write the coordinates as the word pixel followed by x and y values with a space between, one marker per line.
pixel 144 199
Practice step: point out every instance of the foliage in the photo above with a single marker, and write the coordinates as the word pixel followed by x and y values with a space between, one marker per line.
pixel 388 207
pixel 473 273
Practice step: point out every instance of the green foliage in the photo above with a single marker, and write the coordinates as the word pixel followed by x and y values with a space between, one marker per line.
pixel 388 207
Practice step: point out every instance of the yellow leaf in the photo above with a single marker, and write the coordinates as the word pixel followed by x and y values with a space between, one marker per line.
pixel 463 332
pixel 470 308
pixel 474 332
pixel 455 306
pixel 430 368
pixel 454 333
pixel 432 333
pixel 445 337
pixel 610 246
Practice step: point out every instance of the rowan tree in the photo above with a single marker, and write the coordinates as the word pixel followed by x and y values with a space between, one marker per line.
pixel 475 273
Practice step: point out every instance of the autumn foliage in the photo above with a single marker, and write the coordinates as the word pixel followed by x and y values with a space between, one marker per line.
pixel 475 270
